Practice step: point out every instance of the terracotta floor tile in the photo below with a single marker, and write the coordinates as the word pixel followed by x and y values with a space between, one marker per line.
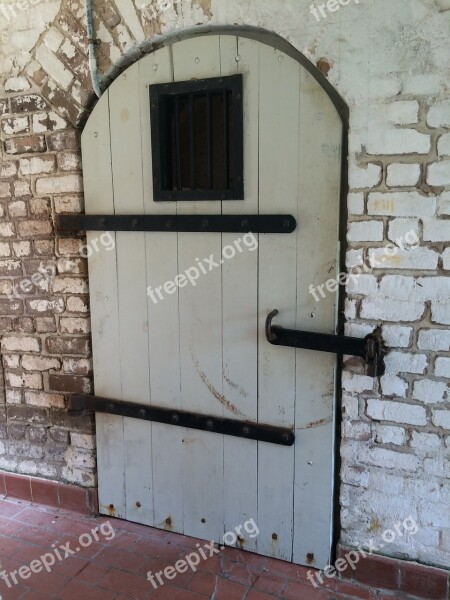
pixel 116 569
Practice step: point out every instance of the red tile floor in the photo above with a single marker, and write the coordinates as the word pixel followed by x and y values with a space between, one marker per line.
pixel 115 568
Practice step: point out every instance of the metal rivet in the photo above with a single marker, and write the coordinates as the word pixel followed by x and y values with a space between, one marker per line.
pixel 155 67
pixel 111 406
pixel 246 430
pixel 203 520
pixel 244 223
pixel 169 223
pixel 205 222
pixel 280 59
pixel 286 223
pixel 175 418
pixel 197 60
pixel 142 412
pixel 210 424
pixel 134 223
pixel 111 506
pixel 285 438
pixel 138 504
pixel 102 222
pixel 95 133
pixel 223 196
pixel 274 536
pixel 237 58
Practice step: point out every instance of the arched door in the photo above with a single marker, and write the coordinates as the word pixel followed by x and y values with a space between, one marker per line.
pixel 198 344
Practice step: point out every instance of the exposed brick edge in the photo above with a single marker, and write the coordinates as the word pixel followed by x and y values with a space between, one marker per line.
pixel 49 493
pixel 421 581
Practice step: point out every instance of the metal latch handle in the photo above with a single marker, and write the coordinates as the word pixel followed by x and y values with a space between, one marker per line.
pixel 370 348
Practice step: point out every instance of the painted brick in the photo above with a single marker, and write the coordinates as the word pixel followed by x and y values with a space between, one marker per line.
pixel 17 84
pixel 391 310
pixel 399 141
pixel 37 165
pixel 34 228
pixel 404 232
pixel 368 176
pixel 368 231
pixel 74 325
pixel 388 434
pixel 401 204
pixel 396 336
pixel 389 459
pixel 442 367
pixel 396 412
pixel 24 145
pixel 68 204
pixel 68 345
pixel 446 259
pixel 59 185
pixel 20 344
pixel 45 305
pixel 356 383
pixel 403 362
pixel 444 145
pixel 440 313
pixel 69 285
pixel 421 258
pixel 397 287
pixel 399 175
pixel 434 339
pixel 365 285
pixel 425 441
pixel 403 112
pixel 392 385
pixel 44 399
pixel 355 203
pixel 53 66
pixel 441 418
pixel 444 204
pixel 39 363
pixel 439 115
pixel 82 440
pixel 439 173
pixel 430 392
pixel 436 230
pixel 50 121
pixel 24 380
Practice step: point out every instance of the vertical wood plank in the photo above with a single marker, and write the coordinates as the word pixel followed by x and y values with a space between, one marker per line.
pixel 103 286
pixel 240 306
pixel 279 99
pixel 201 335
pixel 127 167
pixel 164 333
pixel 320 162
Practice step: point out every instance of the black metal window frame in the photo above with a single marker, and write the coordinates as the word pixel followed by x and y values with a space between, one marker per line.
pixel 232 89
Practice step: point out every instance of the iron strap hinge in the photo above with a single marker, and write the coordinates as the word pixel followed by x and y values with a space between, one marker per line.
pixel 81 404
pixel 181 223
pixel 370 348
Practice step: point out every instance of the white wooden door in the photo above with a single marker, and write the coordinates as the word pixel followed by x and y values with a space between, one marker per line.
pixel 203 348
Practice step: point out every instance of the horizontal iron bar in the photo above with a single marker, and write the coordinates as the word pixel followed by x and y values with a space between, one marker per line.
pixel 324 342
pixel 183 223
pixel 79 404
